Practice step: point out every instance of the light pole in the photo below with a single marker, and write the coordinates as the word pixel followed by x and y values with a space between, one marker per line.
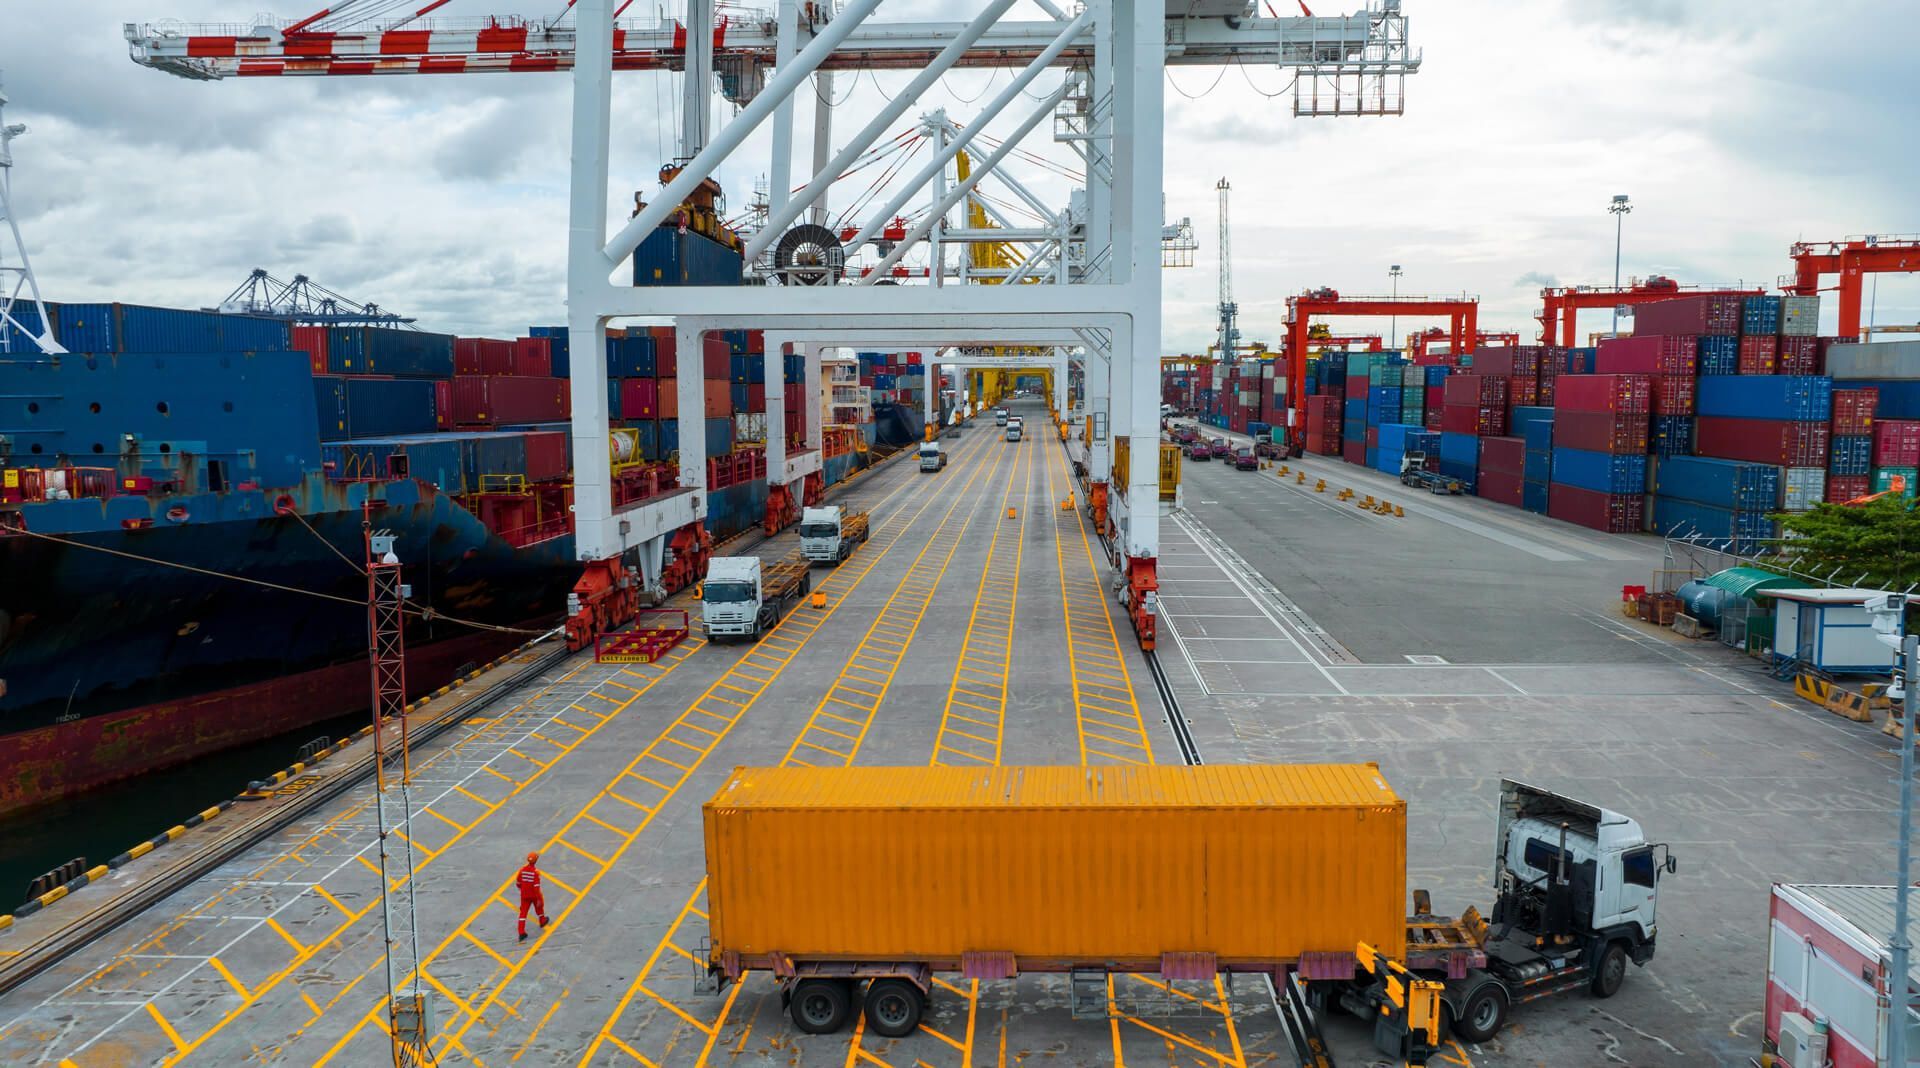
pixel 1618 209
pixel 1393 321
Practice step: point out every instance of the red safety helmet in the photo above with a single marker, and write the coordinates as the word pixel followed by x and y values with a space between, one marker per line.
pixel 531 857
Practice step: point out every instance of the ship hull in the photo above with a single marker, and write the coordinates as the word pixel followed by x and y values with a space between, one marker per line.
pixel 126 651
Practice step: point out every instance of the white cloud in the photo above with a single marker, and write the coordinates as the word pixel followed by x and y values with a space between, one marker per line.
pixel 1737 128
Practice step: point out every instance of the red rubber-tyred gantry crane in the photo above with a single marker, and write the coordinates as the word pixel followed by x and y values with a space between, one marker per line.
pixel 1419 344
pixel 1852 259
pixel 1560 305
pixel 1462 314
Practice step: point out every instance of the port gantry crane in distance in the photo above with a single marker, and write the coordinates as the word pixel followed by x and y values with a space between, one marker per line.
pixel 1462 314
pixel 1852 259
pixel 1561 305
pixel 1420 344
pixel 1108 108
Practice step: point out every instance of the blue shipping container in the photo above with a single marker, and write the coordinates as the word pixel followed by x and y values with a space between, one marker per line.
pixel 1437 376
pixel 1801 397
pixel 632 357
pixel 1671 435
pixel 1601 472
pixel 1537 467
pixel 1732 485
pixel 1533 496
pixel 1899 398
pixel 1850 455
pixel 140 328
pixel 1581 361
pixel 1720 355
pixel 330 406
pixel 1742 531
pixel 559 344
pixel 1372 458
pixel 1539 435
pixel 1524 416
pixel 1760 315
pixel 1394 436
pixel 719 437
pixel 1460 456
pixel 383 407
pixel 668 257
pixel 1386 460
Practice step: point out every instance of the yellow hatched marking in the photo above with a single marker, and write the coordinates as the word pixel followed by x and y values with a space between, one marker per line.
pixel 848 577
pixel 903 614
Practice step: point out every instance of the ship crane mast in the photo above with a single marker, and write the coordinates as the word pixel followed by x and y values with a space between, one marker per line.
pixel 1229 311
pixel 15 279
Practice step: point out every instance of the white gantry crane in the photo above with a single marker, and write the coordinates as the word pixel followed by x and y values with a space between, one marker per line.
pixel 15 321
pixel 1097 74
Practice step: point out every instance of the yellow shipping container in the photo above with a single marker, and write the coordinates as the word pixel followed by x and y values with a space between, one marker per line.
pixel 1057 866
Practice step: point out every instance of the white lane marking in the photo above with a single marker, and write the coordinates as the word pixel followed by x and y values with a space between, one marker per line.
pixel 1509 682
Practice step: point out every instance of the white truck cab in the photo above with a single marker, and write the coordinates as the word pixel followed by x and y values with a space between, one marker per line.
pixel 931 457
pixel 1014 427
pixel 827 536
pixel 730 596
pixel 999 417
pixel 1609 872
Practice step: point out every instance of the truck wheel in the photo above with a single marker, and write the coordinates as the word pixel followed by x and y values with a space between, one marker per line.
pixel 1610 971
pixel 894 1007
pixel 1482 1015
pixel 821 1006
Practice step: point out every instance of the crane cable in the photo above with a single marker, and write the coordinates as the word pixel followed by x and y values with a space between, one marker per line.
pixel 423 613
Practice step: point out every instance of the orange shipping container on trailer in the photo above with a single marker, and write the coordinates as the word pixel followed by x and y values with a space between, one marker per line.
pixel 1056 865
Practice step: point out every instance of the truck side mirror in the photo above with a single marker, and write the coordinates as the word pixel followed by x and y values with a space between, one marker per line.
pixel 1672 864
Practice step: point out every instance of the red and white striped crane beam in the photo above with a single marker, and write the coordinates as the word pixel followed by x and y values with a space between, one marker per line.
pixel 414 45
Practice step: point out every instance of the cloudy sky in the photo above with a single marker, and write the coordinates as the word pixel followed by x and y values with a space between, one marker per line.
pixel 1736 127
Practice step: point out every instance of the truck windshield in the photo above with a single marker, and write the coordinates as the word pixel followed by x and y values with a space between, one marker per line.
pixel 728 592
pixel 818 530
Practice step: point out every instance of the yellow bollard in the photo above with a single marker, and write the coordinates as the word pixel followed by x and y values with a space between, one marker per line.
pixel 1285 470
pixel 1300 478
pixel 819 598
pixel 1398 512
pixel 1009 513
pixel 1320 486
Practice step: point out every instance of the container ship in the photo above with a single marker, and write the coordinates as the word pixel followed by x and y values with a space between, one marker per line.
pixel 183 494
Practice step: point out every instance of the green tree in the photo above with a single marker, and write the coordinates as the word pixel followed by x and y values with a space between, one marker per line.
pixel 1879 540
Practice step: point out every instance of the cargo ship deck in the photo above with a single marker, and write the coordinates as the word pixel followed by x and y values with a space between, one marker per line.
pixel 977 627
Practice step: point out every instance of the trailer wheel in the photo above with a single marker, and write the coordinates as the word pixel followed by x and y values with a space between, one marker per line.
pixel 894 1007
pixel 1482 1014
pixel 821 1006
pixel 1610 971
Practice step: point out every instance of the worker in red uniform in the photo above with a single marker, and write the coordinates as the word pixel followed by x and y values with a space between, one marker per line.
pixel 530 896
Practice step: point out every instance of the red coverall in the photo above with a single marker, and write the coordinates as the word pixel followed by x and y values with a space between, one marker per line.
pixel 530 896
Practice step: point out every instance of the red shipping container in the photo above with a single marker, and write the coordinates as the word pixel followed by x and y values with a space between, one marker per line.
pixel 533 356
pixel 1762 441
pixel 1820 347
pixel 1503 454
pixel 546 455
pixel 482 356
pixel 1356 385
pixel 1323 445
pixel 1896 443
pixel 1689 316
pixel 1437 417
pixel 1614 432
pixel 1615 513
pixel 719 398
pixel 1481 391
pixel 1353 452
pixel 1500 486
pixel 1548 390
pixel 1853 410
pixel 719 358
pixel 1465 419
pixel 486 400
pixel 1674 395
pixel 756 396
pixel 1797 356
pixel 1649 354
pixel 668 396
pixel 1506 360
pixel 1523 391
pixel 1603 393
pixel 757 341
pixel 442 401
pixel 1844 488
pixel 1757 354
pixel 1373 437
pixel 1436 398
pixel 639 398
pixel 312 340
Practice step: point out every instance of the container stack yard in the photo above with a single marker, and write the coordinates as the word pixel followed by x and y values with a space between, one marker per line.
pixel 889 620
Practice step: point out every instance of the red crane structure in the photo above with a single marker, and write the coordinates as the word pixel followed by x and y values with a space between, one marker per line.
pixel 1462 315
pixel 1418 344
pixel 1852 259
pixel 1559 305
